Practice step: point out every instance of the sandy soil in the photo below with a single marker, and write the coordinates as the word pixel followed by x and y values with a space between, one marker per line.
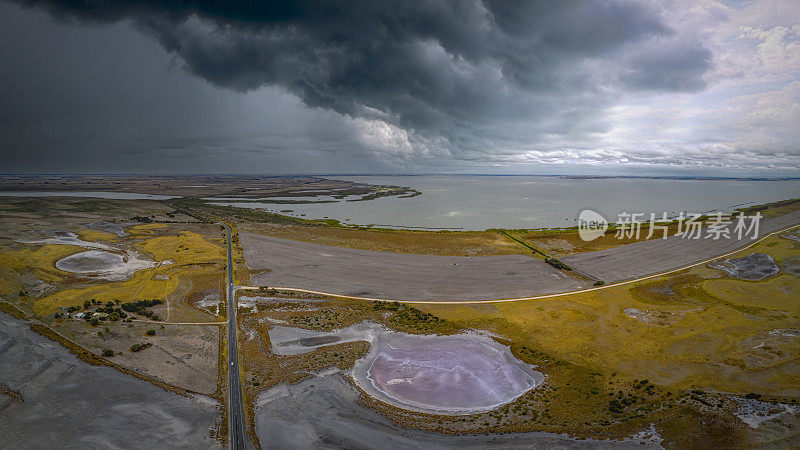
pixel 398 275
pixel 67 238
pixel 184 356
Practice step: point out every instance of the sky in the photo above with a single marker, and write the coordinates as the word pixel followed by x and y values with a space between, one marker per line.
pixel 674 87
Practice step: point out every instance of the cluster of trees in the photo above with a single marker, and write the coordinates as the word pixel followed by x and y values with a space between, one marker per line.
pixel 113 311
pixel 140 307
pixel 142 219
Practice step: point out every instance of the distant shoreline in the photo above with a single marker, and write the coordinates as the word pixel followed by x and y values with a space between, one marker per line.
pixel 330 175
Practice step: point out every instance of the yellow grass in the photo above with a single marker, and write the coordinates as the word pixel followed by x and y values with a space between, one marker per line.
pixel 8 285
pixel 699 346
pixel 187 248
pixel 147 229
pixel 91 235
pixel 140 286
pixel 40 259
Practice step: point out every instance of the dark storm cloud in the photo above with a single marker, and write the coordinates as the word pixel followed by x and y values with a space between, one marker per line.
pixel 676 66
pixel 471 72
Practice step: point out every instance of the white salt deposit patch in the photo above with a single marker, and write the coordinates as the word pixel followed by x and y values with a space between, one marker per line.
pixel 278 321
pixel 786 332
pixel 755 412
pixel 247 302
pixel 210 300
pixel 655 317
pixel 794 237
pixel 649 437
pixel 67 238
pixel 753 267
pixel 91 261
pixel 105 265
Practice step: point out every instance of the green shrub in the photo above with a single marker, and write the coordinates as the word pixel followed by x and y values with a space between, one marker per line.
pixel 140 347
pixel 557 263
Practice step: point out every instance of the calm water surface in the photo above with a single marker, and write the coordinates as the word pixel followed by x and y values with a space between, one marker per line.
pixel 481 202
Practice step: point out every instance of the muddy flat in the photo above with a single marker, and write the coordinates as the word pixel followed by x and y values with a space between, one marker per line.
pixel 325 413
pixel 75 405
pixel 404 276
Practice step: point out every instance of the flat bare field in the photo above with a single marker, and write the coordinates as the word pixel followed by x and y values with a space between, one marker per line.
pixel 660 255
pixel 344 271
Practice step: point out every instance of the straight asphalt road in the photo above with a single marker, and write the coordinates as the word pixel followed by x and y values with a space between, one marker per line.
pixel 236 422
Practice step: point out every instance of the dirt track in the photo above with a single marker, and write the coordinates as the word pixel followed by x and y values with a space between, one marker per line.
pixel 399 275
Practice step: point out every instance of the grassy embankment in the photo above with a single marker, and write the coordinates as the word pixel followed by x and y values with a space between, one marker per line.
pixel 555 242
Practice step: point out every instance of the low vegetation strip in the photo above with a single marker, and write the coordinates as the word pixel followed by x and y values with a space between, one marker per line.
pixel 523 243
pixel 12 310
pixel 96 360
pixel 774 208
pixel 15 396
pixel 558 264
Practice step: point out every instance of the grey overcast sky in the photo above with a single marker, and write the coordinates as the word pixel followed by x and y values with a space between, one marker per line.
pixel 694 87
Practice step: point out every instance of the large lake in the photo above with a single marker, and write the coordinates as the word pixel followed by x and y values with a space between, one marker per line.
pixel 481 202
